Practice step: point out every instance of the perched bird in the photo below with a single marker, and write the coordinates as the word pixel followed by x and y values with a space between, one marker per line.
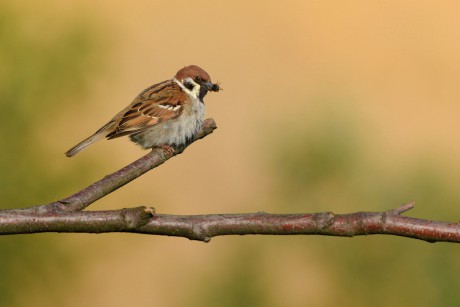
pixel 166 114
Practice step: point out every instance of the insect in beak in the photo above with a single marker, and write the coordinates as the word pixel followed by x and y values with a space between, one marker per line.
pixel 215 87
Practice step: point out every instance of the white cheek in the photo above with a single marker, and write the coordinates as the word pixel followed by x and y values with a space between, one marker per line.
pixel 195 92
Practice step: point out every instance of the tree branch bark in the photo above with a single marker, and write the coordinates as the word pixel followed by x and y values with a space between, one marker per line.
pixel 114 181
pixel 204 227
pixel 66 215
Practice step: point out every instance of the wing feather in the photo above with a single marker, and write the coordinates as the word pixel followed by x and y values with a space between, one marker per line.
pixel 153 106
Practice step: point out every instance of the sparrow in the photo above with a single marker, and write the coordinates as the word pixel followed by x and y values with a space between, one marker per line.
pixel 165 114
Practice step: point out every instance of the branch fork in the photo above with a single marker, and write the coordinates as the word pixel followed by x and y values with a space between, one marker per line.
pixel 67 215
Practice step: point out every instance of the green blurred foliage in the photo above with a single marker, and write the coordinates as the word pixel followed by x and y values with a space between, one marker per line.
pixel 325 167
pixel 241 283
pixel 41 68
pixel 44 65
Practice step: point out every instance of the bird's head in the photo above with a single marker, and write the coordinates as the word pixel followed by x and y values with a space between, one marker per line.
pixel 196 81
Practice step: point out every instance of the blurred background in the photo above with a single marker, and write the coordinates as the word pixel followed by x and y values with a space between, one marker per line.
pixel 327 106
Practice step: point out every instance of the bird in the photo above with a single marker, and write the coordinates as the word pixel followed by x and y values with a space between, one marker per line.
pixel 165 114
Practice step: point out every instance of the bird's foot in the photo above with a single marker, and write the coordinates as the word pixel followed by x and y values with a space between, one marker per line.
pixel 168 148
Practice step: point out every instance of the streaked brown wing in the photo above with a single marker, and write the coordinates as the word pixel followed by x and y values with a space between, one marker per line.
pixel 156 104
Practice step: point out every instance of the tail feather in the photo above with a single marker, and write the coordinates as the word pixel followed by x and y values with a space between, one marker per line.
pixel 85 143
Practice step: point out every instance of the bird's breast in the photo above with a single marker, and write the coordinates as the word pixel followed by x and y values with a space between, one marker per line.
pixel 177 131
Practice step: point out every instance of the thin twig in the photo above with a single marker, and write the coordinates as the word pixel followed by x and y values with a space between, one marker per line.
pixel 114 181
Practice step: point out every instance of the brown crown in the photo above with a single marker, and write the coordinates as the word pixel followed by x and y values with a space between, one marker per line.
pixel 192 71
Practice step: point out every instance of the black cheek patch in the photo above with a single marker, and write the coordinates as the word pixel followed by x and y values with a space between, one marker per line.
pixel 189 85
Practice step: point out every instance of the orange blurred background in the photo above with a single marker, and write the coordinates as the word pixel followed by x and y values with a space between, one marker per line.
pixel 327 106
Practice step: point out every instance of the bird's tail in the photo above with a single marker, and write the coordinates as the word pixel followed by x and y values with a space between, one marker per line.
pixel 85 143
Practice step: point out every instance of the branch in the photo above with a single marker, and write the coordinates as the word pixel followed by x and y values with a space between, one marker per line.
pixel 66 215
pixel 204 227
pixel 112 182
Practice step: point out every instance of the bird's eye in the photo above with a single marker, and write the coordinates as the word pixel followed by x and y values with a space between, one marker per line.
pixel 198 79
